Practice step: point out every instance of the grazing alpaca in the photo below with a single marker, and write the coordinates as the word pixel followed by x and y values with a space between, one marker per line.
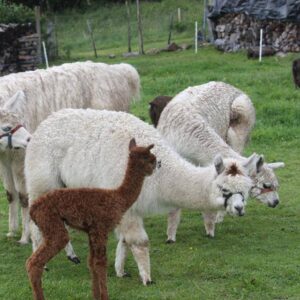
pixel 212 118
pixel 95 211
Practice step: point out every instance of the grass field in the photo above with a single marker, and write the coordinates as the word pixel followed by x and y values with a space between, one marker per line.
pixel 254 257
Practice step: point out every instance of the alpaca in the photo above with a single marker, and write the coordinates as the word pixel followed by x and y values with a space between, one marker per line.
pixel 156 106
pixel 94 211
pixel 198 122
pixel 28 98
pixel 66 148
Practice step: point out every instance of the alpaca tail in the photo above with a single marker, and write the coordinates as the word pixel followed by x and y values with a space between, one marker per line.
pixel 242 120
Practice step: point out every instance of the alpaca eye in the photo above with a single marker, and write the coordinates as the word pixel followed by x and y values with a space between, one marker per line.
pixel 267 185
pixel 6 128
pixel 225 191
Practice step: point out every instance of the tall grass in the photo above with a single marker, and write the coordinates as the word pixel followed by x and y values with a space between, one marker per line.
pixel 254 257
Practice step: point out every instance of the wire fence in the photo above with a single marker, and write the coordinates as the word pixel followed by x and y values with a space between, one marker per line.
pixel 77 34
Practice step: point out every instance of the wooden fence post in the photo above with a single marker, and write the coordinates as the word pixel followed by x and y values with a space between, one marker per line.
pixel 128 5
pixel 92 37
pixel 140 31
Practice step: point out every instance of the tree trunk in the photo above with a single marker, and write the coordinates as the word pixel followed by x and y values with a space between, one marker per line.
pixel 140 32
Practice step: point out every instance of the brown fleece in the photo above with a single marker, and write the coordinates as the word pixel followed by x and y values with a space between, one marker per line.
pixel 94 211
pixel 234 170
pixel 157 106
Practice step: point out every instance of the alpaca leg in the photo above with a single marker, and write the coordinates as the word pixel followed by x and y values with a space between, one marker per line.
pixel 25 226
pixel 71 254
pixel 209 223
pixel 54 241
pixel 132 230
pixel 121 254
pixel 12 197
pixel 13 220
pixel 35 235
pixel 142 258
pixel 98 264
pixel 36 239
pixel 25 219
pixel 173 222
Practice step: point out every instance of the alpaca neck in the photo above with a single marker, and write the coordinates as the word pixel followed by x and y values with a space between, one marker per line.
pixel 132 183
pixel 186 186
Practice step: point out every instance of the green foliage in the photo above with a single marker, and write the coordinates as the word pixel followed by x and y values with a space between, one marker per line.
pixel 180 27
pixel 15 13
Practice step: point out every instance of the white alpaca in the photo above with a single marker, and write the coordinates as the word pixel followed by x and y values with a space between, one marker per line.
pixel 198 122
pixel 28 98
pixel 88 148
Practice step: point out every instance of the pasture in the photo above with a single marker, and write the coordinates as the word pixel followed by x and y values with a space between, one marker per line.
pixel 253 257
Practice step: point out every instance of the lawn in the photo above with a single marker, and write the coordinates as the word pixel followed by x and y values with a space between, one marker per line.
pixel 253 257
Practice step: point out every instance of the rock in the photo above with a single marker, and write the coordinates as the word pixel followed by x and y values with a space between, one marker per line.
pixel 130 54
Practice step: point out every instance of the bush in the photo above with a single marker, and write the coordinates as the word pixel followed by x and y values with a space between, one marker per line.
pixel 180 27
pixel 15 13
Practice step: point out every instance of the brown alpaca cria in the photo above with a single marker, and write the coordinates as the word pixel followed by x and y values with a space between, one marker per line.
pixel 95 211
pixel 157 106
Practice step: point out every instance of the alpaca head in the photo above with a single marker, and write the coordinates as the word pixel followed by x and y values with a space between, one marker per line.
pixel 266 185
pixel 12 133
pixel 142 155
pixel 156 107
pixel 232 185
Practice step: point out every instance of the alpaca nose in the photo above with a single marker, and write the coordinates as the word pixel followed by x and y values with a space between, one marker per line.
pixel 275 203
pixel 28 140
pixel 240 210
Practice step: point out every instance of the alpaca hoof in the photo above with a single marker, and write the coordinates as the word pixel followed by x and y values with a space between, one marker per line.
pixel 74 260
pixel 23 242
pixel 149 282
pixel 169 241
pixel 209 236
pixel 126 274
pixel 11 234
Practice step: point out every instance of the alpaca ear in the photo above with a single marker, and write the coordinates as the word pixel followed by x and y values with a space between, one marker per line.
pixel 276 165
pixel 251 164
pixel 260 163
pixel 16 103
pixel 132 144
pixel 219 164
pixel 150 147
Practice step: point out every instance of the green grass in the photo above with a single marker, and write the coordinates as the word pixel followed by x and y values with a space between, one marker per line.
pixel 254 257
pixel 109 23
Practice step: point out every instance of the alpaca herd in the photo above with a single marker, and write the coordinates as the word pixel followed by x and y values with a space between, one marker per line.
pixel 64 135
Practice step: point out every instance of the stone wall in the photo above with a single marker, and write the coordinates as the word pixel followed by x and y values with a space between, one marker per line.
pixel 18 48
pixel 233 32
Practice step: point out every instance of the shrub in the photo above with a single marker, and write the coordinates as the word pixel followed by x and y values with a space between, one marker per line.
pixel 15 13
pixel 180 27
